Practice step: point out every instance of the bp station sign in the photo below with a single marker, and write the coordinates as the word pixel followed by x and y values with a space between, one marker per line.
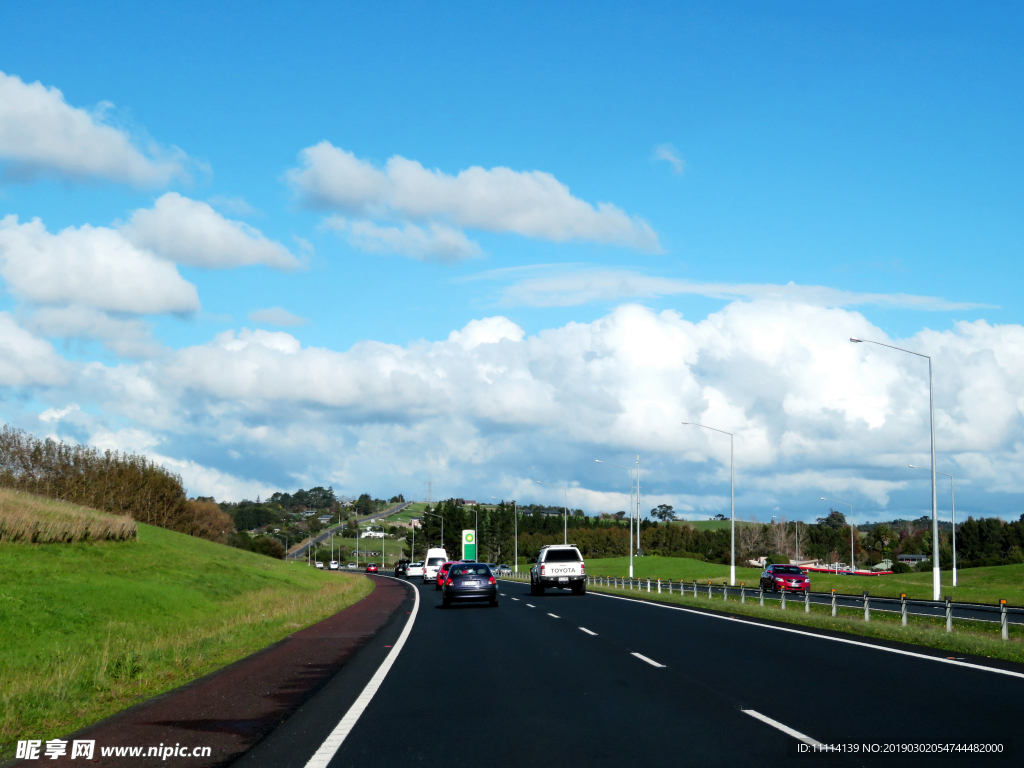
pixel 469 545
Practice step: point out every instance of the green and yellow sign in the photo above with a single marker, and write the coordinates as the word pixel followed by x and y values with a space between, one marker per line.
pixel 469 545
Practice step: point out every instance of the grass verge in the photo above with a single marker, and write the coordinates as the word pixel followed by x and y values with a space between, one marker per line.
pixel 976 585
pixel 968 637
pixel 25 517
pixel 88 629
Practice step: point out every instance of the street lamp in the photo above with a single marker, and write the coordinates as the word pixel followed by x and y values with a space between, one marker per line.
pixel 732 498
pixel 952 503
pixel 853 564
pixel 382 539
pixel 565 508
pixel 630 470
pixel 936 588
pixel 515 520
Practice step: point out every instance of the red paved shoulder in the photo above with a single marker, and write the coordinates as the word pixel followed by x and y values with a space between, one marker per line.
pixel 231 709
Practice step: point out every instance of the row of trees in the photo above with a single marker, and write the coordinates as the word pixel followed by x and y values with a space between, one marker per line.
pixel 120 483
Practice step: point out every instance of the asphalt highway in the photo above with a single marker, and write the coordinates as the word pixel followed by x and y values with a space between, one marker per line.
pixel 561 680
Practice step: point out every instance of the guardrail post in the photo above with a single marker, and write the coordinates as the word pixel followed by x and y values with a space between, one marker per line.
pixel 725 592
pixel 833 602
pixel 709 590
pixel 867 607
pixel 659 586
pixel 760 592
pixel 783 599
pixel 648 586
pixel 1004 628
pixel 694 587
pixel 743 593
pixel 949 614
pixel 807 601
pixel 903 608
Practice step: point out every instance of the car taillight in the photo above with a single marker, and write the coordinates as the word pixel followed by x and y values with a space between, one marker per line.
pixel 448 583
pixel 583 568
pixel 492 580
pixel 542 567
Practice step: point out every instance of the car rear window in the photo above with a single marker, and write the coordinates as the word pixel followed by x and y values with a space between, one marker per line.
pixel 435 561
pixel 469 570
pixel 789 569
pixel 562 556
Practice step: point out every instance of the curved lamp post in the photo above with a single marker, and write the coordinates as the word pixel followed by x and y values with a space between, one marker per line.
pixel 931 411
pixel 630 470
pixel 732 498
pixel 952 503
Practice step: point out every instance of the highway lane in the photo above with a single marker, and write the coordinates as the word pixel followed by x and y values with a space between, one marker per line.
pixel 597 680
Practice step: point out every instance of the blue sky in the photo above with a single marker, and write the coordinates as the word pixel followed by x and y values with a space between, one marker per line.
pixel 869 155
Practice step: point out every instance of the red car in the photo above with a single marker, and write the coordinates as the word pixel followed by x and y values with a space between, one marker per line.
pixel 442 574
pixel 372 568
pixel 780 578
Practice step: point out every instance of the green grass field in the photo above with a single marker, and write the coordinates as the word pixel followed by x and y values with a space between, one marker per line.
pixel 976 585
pixel 711 525
pixel 87 629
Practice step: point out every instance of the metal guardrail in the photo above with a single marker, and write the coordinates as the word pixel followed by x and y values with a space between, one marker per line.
pixel 1001 614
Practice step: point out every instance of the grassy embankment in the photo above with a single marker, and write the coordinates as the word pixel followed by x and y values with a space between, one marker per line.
pixel 89 628
pixel 976 585
pixel 25 517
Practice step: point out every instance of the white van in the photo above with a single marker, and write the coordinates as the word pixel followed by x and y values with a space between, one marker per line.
pixel 435 558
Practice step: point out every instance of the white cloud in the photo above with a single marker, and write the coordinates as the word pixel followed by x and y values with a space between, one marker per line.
pixel 129 337
pixel 190 232
pixel 670 155
pixel 435 242
pixel 529 203
pixel 89 266
pixel 26 360
pixel 490 409
pixel 41 133
pixel 563 288
pixel 276 316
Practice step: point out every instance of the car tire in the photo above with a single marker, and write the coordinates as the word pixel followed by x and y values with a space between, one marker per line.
pixel 446 603
pixel 494 603
pixel 579 588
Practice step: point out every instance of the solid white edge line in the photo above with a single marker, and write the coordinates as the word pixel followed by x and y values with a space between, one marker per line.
pixel 584 629
pixel 784 728
pixel 710 615
pixel 652 662
pixel 553 616
pixel 336 738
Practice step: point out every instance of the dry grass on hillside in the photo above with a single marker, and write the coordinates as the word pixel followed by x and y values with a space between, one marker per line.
pixel 26 518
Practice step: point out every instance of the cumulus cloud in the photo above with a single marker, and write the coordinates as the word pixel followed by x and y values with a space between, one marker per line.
pixel 492 407
pixel 27 360
pixel 529 203
pixel 276 316
pixel 40 133
pixel 670 155
pixel 556 286
pixel 434 242
pixel 191 232
pixel 129 337
pixel 91 267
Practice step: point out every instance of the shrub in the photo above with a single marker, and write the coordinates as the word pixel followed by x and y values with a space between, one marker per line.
pixel 899 567
pixel 777 560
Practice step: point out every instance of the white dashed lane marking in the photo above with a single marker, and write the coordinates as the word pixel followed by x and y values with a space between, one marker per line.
pixel 530 606
pixel 652 662
pixel 593 634
pixel 784 728
pixel 553 616
pixel 516 599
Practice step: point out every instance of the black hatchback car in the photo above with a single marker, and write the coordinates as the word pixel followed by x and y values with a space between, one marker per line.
pixel 470 581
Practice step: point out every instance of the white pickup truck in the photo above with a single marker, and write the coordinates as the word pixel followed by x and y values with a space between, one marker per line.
pixel 558 565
